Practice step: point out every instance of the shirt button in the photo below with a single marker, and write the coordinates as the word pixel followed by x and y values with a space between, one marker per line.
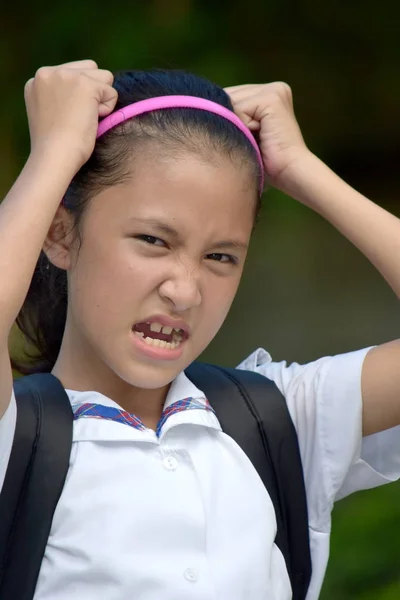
pixel 191 575
pixel 170 463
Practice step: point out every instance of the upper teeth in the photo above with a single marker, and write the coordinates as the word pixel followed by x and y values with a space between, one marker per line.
pixel 157 327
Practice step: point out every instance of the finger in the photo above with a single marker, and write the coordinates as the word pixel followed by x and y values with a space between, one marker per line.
pixel 79 64
pixel 248 110
pixel 107 99
pixel 28 86
pixel 247 113
pixel 99 75
pixel 251 123
pixel 247 93
pixel 254 125
pixel 234 88
pixel 248 120
pixel 244 91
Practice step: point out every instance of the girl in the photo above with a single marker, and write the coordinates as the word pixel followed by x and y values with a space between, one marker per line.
pixel 125 254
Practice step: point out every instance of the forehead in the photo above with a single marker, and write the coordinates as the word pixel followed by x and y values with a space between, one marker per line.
pixel 201 195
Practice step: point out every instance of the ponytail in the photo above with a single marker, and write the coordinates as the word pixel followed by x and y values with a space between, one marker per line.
pixel 42 318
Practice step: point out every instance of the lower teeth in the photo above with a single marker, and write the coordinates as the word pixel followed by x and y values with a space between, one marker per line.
pixel 158 343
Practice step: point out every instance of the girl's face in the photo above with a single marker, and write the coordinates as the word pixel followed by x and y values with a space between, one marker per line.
pixel 166 247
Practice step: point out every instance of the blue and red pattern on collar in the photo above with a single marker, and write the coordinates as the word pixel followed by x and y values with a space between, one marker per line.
pixel 99 411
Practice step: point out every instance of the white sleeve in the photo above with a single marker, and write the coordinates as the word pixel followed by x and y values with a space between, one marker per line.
pixel 7 430
pixel 325 402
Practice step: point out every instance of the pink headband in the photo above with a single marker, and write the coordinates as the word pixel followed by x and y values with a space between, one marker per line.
pixel 161 102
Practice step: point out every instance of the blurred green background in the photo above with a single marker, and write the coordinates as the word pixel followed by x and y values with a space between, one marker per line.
pixel 306 292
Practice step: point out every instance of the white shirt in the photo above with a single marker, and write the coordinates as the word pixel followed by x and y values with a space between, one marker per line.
pixel 184 516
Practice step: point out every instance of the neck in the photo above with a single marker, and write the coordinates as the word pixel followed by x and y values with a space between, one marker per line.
pixel 77 371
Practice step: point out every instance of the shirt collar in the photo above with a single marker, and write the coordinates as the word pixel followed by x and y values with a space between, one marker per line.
pixel 182 394
pixel 181 387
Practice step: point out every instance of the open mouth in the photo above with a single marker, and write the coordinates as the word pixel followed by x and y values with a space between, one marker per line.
pixel 160 336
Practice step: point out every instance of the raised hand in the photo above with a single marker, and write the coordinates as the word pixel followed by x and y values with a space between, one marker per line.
pixel 268 110
pixel 64 104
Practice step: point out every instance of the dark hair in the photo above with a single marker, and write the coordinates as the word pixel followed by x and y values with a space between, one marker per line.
pixel 43 315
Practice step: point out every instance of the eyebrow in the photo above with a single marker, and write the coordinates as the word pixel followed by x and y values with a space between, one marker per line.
pixel 170 231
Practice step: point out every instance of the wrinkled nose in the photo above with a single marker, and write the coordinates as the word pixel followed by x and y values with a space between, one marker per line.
pixel 182 291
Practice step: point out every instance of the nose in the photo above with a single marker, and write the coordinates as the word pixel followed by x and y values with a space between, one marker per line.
pixel 182 289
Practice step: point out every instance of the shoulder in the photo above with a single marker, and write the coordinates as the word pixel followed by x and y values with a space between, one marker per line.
pixel 323 396
pixel 321 377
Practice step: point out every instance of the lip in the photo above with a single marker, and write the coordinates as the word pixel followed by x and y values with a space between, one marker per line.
pixel 169 322
pixel 157 353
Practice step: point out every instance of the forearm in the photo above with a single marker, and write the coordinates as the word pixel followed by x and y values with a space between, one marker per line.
pixel 373 230
pixel 25 217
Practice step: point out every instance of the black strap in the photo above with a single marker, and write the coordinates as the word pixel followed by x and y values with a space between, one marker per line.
pixel 34 480
pixel 252 411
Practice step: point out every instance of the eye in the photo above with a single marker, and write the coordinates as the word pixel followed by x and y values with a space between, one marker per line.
pixel 151 239
pixel 222 258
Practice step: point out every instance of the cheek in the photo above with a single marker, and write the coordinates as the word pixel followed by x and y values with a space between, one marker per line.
pixel 110 286
pixel 114 268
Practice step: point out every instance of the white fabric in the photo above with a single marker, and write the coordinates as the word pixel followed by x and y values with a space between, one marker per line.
pixel 185 516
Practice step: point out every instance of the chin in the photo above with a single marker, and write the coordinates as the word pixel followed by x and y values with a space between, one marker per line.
pixel 146 372
pixel 149 376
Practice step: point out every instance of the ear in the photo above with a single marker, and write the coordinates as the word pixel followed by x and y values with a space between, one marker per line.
pixel 60 243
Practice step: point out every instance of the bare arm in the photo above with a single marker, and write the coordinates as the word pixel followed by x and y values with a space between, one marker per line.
pixel 376 233
pixel 62 138
pixel 291 167
pixel 25 217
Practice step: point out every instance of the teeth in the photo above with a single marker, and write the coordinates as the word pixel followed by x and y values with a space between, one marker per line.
pixel 139 333
pixel 155 327
pixel 167 329
pixel 161 343
pixel 176 329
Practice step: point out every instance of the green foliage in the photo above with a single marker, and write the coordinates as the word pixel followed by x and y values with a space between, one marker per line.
pixel 364 560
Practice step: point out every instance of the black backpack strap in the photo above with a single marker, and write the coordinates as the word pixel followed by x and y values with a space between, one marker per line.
pixel 252 411
pixel 34 480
